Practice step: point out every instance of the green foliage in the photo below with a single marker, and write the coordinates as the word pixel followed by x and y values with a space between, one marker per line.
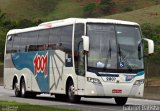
pixel 147 30
pixel 98 9
pixel 153 32
pixel 3 31
pixel 27 9
pixel 127 9
pixel 6 25
pixel 89 9
pixel 59 9
pixel 66 9
pixel 2 18
pixel 24 23
pixel 106 6
pixel 145 15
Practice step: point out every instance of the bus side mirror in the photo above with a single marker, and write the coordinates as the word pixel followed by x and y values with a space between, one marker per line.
pixel 150 45
pixel 85 43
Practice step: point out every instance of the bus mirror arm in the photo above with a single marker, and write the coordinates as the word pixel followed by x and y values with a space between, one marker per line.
pixel 85 43
pixel 150 46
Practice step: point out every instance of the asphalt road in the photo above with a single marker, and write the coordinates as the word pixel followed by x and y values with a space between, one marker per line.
pixel 87 104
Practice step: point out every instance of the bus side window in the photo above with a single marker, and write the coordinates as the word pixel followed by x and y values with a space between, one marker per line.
pixel 66 44
pixel 9 44
pixel 32 41
pixel 43 37
pixel 16 43
pixel 54 38
pixel 23 43
pixel 66 37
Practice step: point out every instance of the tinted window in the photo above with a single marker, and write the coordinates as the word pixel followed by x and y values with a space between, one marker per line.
pixel 16 43
pixel 78 54
pixel 24 42
pixel 43 36
pixel 9 44
pixel 66 44
pixel 54 38
pixel 32 40
pixel 66 37
pixel 79 31
pixel 61 38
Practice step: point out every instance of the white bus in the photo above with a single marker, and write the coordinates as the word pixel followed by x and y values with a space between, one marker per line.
pixel 74 58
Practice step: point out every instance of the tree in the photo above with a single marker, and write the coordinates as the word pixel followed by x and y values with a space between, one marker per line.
pixel 2 18
pixel 89 9
pixel 147 30
pixel 3 32
pixel 106 6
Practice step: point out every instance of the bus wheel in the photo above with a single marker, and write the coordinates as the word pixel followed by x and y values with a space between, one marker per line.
pixel 120 100
pixel 23 88
pixel 16 90
pixel 70 93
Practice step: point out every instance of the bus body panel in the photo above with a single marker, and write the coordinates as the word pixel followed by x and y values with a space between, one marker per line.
pixel 57 72
pixel 8 75
pixel 113 88
pixel 56 69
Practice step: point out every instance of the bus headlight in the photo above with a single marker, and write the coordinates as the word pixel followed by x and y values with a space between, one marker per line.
pixel 94 80
pixel 139 82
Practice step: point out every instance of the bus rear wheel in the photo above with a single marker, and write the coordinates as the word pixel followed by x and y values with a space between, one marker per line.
pixel 71 93
pixel 16 90
pixel 23 88
pixel 120 100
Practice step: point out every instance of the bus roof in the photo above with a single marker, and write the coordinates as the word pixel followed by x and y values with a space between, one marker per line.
pixel 56 23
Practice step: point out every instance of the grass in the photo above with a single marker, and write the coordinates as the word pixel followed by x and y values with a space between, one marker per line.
pixel 134 4
pixel 1 63
pixel 145 15
pixel 52 9
pixel 26 9
pixel 66 9
pixel 27 107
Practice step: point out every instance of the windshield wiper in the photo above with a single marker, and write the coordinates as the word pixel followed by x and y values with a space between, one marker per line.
pixel 122 56
pixel 108 55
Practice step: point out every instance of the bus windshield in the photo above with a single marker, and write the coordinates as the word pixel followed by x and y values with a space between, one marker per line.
pixel 115 47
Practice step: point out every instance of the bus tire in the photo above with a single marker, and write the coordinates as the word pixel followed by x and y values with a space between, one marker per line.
pixel 70 93
pixel 23 88
pixel 16 90
pixel 120 101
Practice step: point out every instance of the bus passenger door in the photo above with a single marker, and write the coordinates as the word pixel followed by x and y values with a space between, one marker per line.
pixel 80 70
